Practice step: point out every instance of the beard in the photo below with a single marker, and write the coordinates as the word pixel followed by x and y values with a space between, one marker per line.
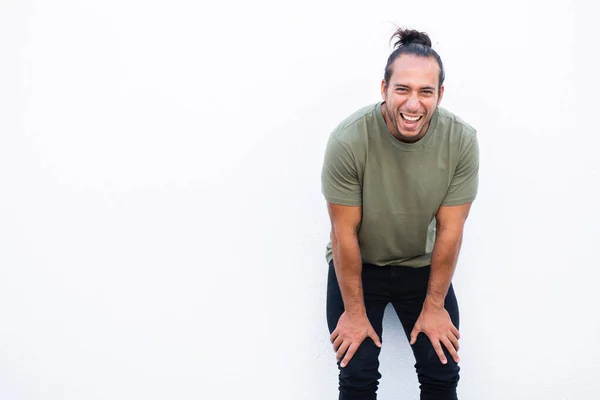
pixel 411 137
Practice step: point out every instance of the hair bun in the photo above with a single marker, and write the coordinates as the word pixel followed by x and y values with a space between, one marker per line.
pixel 408 36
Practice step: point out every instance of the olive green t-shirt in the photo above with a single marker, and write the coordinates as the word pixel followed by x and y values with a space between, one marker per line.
pixel 400 186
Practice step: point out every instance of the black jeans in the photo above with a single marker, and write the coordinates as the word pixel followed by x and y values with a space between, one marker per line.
pixel 405 288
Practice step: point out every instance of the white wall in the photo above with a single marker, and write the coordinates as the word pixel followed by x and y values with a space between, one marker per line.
pixel 161 224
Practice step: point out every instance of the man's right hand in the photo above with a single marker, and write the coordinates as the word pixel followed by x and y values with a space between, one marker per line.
pixel 350 332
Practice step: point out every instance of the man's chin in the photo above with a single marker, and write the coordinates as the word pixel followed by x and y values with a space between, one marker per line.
pixel 410 135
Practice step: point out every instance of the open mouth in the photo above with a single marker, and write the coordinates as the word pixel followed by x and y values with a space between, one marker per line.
pixel 410 120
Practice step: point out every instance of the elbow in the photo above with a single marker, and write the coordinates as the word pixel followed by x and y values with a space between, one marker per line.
pixel 342 238
pixel 452 232
pixel 449 237
pixel 334 238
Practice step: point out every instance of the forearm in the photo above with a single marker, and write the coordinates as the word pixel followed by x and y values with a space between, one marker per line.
pixel 443 263
pixel 348 268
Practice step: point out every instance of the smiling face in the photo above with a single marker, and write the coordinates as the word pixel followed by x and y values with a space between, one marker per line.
pixel 411 96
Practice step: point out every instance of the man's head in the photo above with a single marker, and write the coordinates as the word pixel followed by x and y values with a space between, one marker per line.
pixel 412 86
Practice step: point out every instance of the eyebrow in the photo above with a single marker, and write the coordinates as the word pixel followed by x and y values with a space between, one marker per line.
pixel 400 85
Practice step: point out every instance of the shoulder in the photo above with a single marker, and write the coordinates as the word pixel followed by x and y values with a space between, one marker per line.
pixel 353 129
pixel 448 119
pixel 457 129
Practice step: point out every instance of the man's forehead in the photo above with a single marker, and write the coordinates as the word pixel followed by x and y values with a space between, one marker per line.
pixel 422 70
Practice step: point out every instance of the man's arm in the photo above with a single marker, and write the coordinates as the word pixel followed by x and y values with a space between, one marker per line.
pixel 346 255
pixel 434 320
pixel 450 222
pixel 353 326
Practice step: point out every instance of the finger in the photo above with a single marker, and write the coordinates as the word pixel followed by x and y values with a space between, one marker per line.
pixel 439 351
pixel 334 335
pixel 349 354
pixel 336 343
pixel 342 350
pixel 454 341
pixel 455 332
pixel 414 334
pixel 373 335
pixel 448 344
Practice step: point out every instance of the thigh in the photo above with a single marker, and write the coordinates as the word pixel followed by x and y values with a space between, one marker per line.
pixel 409 295
pixel 376 297
pixel 428 364
pixel 359 379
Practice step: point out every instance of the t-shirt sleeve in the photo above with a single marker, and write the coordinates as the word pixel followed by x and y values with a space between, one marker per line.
pixel 464 184
pixel 339 176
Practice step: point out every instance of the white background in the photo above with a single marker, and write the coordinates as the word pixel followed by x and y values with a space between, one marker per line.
pixel 162 229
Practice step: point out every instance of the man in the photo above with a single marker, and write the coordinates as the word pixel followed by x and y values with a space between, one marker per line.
pixel 399 178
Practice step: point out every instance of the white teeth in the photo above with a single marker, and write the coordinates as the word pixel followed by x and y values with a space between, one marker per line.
pixel 406 117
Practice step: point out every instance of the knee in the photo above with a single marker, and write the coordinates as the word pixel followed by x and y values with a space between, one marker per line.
pixel 361 375
pixel 439 381
pixel 356 377
pixel 429 367
pixel 438 372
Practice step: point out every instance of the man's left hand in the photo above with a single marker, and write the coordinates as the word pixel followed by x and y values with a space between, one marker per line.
pixel 436 324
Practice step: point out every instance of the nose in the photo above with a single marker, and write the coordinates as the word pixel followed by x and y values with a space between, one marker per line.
pixel 412 103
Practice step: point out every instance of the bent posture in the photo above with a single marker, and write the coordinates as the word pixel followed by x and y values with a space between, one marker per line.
pixel 399 177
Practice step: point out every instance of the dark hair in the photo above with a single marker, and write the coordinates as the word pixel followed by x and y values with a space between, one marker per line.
pixel 414 43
